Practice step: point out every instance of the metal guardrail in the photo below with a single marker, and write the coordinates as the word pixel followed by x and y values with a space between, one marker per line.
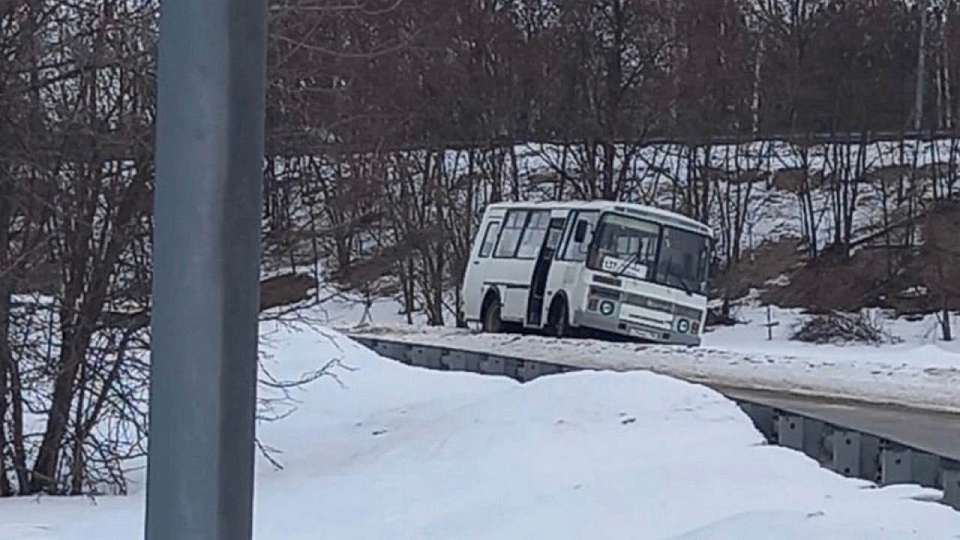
pixel 846 451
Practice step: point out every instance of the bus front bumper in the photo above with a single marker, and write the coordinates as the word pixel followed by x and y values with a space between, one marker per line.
pixel 613 325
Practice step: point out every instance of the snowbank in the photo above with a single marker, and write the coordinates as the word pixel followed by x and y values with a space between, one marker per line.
pixel 398 452
pixel 919 372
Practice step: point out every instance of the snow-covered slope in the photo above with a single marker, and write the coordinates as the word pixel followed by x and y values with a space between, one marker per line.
pixel 398 452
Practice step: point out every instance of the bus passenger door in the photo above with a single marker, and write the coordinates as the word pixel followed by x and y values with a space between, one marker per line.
pixel 541 270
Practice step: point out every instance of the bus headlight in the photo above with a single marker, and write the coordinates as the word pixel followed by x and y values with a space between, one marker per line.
pixel 683 326
pixel 607 307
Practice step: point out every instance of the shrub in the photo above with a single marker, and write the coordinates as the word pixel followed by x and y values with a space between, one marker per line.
pixel 838 328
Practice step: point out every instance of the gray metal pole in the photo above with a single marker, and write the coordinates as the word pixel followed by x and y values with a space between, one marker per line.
pixel 206 269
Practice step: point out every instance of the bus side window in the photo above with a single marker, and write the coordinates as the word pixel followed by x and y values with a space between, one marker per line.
pixel 510 235
pixel 533 235
pixel 489 239
pixel 577 251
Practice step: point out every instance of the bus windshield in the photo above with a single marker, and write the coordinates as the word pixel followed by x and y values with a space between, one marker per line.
pixel 635 248
pixel 683 260
pixel 625 245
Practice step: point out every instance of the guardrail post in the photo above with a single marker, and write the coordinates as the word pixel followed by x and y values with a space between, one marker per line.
pixel 790 431
pixel 511 367
pixel 902 465
pixel 926 469
pixel 856 454
pixel 491 365
pixel 457 360
pixel 527 370
pixel 427 357
pixel 803 434
pixel 474 359
pixel 388 349
pixel 951 484
pixel 533 369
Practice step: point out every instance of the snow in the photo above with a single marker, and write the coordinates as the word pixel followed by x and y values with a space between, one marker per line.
pixel 911 336
pixel 392 451
pixel 919 372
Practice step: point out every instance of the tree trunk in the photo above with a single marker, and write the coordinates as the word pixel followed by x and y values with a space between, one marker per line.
pixel 755 97
pixel 515 173
pixel 76 467
pixel 409 294
pixel 44 475
pixel 562 184
pixel 921 69
pixel 19 446
pixel 6 208
pixel 945 322
pixel 438 285
pixel 703 213
pixel 88 275
pixel 607 191
pixel 945 97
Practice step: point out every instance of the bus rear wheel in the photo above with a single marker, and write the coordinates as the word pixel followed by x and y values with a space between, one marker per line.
pixel 492 324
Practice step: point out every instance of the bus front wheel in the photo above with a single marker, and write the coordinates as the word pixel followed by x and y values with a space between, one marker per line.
pixel 559 322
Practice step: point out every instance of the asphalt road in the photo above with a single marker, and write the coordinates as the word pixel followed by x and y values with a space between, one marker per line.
pixel 932 431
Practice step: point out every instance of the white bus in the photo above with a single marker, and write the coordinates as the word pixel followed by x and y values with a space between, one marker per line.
pixel 604 266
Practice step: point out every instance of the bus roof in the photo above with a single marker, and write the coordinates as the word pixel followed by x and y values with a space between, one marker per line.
pixel 640 210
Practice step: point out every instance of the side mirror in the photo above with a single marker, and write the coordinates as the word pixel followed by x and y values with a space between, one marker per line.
pixel 580 233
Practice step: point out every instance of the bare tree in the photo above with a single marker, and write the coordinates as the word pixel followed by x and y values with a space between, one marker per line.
pixel 941 260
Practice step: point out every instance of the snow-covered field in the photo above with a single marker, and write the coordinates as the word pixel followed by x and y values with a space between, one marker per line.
pixel 398 452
